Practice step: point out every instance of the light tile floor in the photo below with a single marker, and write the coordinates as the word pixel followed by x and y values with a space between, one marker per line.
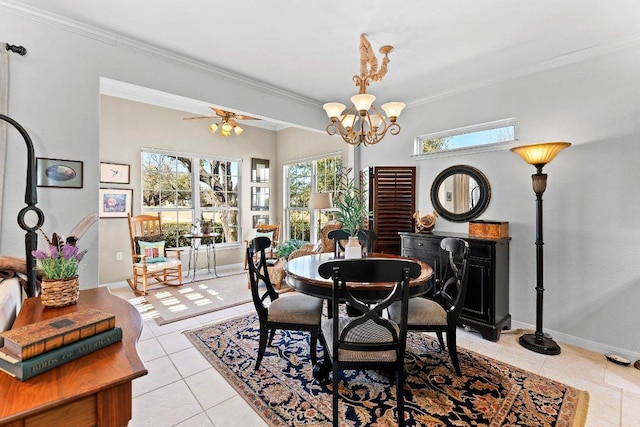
pixel 182 389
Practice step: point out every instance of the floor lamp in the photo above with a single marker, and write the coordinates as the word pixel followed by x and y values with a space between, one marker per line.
pixel 320 201
pixel 539 155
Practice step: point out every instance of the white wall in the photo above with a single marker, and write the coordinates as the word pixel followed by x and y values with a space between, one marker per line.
pixel 592 260
pixel 54 94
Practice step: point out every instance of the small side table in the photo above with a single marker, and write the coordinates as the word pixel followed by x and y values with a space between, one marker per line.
pixel 210 244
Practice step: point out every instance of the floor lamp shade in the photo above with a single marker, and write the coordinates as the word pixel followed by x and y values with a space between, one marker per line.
pixel 539 155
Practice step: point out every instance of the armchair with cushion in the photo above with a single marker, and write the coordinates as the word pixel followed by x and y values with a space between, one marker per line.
pixel 325 243
pixel 149 256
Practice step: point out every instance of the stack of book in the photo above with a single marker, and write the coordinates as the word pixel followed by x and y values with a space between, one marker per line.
pixel 39 347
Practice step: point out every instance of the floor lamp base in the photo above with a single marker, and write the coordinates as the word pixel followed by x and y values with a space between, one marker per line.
pixel 545 345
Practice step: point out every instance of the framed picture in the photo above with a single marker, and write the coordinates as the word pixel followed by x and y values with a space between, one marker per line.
pixel 115 202
pixel 58 173
pixel 259 198
pixel 114 173
pixel 260 220
pixel 260 170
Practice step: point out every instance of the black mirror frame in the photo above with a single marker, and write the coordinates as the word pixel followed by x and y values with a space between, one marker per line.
pixel 483 201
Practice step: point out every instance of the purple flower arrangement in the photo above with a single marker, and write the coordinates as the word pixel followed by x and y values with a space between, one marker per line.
pixel 60 263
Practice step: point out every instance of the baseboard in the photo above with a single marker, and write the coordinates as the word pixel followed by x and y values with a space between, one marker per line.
pixel 580 342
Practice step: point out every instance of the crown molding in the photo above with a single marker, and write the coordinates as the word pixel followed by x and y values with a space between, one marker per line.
pixel 137 46
pixel 559 61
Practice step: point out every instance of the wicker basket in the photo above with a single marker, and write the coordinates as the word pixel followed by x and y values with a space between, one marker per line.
pixel 59 292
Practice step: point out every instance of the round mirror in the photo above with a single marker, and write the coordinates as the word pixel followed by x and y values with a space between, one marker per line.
pixel 460 193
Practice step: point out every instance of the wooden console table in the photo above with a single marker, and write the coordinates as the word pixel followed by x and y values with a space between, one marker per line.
pixel 94 390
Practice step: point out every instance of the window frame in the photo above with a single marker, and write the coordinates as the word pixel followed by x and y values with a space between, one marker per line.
pixel 490 146
pixel 314 214
pixel 196 209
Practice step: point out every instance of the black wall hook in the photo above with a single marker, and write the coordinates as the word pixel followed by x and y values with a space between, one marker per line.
pixel 20 50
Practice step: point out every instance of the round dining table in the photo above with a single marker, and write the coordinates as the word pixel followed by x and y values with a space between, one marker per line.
pixel 302 274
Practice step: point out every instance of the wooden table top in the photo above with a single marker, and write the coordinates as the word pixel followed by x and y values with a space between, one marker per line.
pixel 115 364
pixel 302 275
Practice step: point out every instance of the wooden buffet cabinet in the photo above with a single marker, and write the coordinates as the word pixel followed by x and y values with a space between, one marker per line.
pixel 486 306
pixel 94 390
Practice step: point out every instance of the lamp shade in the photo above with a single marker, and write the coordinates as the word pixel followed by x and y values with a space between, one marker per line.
pixel 238 130
pixel 393 109
pixel 540 154
pixel 333 109
pixel 363 101
pixel 320 201
pixel 349 120
pixel 213 127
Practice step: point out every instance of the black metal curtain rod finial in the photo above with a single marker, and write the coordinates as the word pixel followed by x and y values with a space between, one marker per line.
pixel 20 50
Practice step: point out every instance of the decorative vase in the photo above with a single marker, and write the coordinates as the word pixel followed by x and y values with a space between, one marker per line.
pixel 352 249
pixel 425 223
pixel 59 292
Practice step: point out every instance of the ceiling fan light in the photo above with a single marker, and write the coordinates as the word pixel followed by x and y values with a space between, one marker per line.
pixel 393 109
pixel 333 109
pixel 226 127
pixel 238 130
pixel 363 101
pixel 225 133
pixel 213 127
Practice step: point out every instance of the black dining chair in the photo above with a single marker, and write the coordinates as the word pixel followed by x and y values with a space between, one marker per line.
pixel 440 313
pixel 340 236
pixel 369 341
pixel 296 312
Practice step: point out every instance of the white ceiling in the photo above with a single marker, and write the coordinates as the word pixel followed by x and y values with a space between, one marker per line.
pixel 310 48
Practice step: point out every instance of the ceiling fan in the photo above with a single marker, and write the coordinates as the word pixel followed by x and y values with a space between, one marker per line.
pixel 227 121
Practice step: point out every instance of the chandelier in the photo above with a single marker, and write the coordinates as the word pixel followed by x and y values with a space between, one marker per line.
pixel 363 123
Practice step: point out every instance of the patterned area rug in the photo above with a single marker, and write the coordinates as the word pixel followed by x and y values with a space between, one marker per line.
pixel 284 393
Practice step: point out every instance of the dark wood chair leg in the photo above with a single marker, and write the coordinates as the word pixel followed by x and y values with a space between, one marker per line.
pixel 262 346
pixel 313 348
pixel 400 396
pixel 271 335
pixel 453 351
pixel 441 340
pixel 336 409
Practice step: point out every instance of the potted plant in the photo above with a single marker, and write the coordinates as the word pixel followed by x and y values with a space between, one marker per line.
pixel 352 212
pixel 352 205
pixel 59 267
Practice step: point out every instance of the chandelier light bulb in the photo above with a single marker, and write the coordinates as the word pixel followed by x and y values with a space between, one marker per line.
pixel 226 127
pixel 238 130
pixel 213 127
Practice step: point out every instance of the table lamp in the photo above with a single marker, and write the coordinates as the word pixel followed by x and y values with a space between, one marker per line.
pixel 320 201
pixel 539 155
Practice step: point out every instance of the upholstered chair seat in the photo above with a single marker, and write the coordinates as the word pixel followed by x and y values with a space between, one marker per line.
pixel 300 309
pixel 422 311
pixel 368 332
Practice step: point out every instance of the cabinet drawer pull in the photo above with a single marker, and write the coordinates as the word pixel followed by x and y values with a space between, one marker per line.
pixel 420 244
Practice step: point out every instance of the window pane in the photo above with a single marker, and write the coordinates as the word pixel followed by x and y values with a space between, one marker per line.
pixel 167 187
pixel 468 137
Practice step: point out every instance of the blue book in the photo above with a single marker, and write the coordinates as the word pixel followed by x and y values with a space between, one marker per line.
pixel 25 369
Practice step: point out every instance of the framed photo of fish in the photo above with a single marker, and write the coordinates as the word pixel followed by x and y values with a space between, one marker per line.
pixel 59 173
pixel 114 173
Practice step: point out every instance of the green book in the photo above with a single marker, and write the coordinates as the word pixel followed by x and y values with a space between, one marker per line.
pixel 25 369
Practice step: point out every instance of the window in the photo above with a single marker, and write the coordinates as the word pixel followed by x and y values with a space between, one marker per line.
pixel 301 179
pixel 482 135
pixel 185 196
